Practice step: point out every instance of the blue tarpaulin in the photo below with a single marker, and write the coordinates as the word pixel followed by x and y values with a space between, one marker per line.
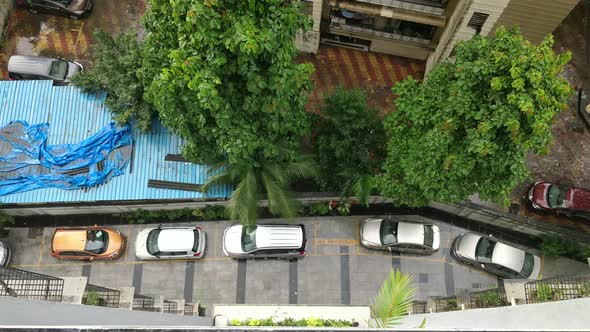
pixel 27 162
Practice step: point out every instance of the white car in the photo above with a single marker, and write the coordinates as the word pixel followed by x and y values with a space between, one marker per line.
pixel 397 234
pixel 170 243
pixel 489 254
pixel 4 254
pixel 264 241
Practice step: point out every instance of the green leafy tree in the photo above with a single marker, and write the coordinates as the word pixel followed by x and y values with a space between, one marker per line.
pixel 350 144
pixel 468 127
pixel 5 221
pixel 117 64
pixel 222 76
pixel 263 179
pixel 393 301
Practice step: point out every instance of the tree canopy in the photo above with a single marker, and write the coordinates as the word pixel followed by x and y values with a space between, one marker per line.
pixel 469 126
pixel 222 76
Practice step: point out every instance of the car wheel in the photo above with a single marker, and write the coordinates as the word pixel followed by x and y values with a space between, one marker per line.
pixel 33 11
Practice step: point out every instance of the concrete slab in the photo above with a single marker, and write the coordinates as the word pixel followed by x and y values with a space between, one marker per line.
pixel 319 280
pixel 111 275
pixel 215 282
pixel 267 282
pixel 163 278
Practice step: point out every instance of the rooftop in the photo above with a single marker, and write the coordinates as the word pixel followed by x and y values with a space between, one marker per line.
pixel 74 116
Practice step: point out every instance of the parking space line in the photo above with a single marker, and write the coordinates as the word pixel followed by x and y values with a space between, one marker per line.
pixel 358 241
pixel 126 253
pixel 41 247
pixel 344 275
pixel 336 242
pixel 315 237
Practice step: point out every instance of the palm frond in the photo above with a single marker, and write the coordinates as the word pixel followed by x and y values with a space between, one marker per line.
pixel 393 300
pixel 243 203
pixel 279 198
pixel 303 167
pixel 359 186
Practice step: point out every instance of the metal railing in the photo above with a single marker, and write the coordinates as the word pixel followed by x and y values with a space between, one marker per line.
pixel 419 307
pixel 143 303
pixel 558 288
pixel 170 307
pixel 446 304
pixel 490 298
pixel 30 285
pixel 101 296
pixel 189 309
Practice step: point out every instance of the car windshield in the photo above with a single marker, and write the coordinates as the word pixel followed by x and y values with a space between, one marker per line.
pixel 428 235
pixel 196 243
pixel 388 232
pixel 96 241
pixel 152 241
pixel 556 196
pixel 248 238
pixel 484 250
pixel 529 264
pixel 59 69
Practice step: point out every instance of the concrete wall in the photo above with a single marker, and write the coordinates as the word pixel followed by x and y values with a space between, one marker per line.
pixel 309 42
pixel 560 315
pixel 5 10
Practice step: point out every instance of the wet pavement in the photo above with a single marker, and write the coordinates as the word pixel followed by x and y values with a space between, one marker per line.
pixel 56 36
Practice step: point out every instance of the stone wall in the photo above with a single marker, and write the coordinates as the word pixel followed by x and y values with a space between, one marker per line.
pixel 5 9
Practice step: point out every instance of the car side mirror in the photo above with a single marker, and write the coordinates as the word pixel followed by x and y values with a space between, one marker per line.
pixel 159 226
pixel 91 258
pixel 157 256
pixel 482 266
pixel 389 248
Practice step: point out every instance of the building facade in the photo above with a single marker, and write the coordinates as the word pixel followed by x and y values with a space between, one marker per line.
pixel 424 29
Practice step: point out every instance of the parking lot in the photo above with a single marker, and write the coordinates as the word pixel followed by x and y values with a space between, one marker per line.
pixel 336 269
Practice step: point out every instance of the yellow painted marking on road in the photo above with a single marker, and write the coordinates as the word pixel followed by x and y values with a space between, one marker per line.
pixel 161 261
pixel 42 245
pixel 215 240
pixel 126 255
pixel 358 241
pixel 79 30
pixel 336 242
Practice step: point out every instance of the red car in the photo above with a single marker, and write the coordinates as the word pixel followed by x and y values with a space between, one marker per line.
pixel 565 200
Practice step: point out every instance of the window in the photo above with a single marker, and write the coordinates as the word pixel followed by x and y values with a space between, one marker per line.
pixel 428 236
pixel 152 242
pixel 477 21
pixel 556 196
pixel 59 69
pixel 248 238
pixel 528 265
pixel 388 232
pixel 307 7
pixel 171 253
pixel 196 243
pixel 507 272
pixel 97 241
pixel 484 250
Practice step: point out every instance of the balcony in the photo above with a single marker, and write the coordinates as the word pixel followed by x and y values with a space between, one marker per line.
pixel 423 6
pixel 418 11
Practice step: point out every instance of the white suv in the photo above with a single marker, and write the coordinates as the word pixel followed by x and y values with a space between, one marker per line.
pixel 170 243
pixel 264 241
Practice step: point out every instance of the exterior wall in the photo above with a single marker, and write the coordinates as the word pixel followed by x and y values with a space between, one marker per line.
pixel 460 31
pixel 399 48
pixel 536 18
pixel 5 9
pixel 309 42
pixel 454 19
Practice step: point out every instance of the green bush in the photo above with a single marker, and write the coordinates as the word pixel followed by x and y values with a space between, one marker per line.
pixel 584 290
pixel 91 298
pixel 5 221
pixel 309 322
pixel 554 245
pixel 493 298
pixel 546 293
pixel 319 209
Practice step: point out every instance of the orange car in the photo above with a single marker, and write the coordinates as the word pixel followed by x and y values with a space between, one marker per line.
pixel 87 243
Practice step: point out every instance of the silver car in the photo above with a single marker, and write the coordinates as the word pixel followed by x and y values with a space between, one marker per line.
pixel 397 234
pixel 21 67
pixel 491 255
pixel 170 243
pixel 264 241
pixel 4 254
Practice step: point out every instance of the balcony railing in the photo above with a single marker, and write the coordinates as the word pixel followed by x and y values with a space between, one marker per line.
pixel 559 288
pixel 101 296
pixel 489 298
pixel 170 307
pixel 143 303
pixel 30 285
pixel 446 304
pixel 423 6
pixel 419 307
pixel 338 24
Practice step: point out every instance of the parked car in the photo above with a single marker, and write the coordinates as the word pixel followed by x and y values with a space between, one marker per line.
pixel 264 241
pixel 396 234
pixel 4 254
pixel 23 67
pixel 491 255
pixel 564 200
pixel 75 9
pixel 87 243
pixel 170 243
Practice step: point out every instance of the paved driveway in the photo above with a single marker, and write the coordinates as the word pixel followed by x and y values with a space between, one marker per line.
pixel 336 269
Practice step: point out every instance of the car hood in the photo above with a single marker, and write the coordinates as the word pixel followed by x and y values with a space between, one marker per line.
pixel 508 256
pixel 578 198
pixel 232 240
pixel 538 194
pixel 408 232
pixel 465 247
pixel 370 231
pixel 73 69
pixel 536 269
pixel 4 254
pixel 116 242
pixel 141 243
pixel 78 5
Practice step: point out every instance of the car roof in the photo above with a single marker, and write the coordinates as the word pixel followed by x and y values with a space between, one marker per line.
pixel 69 239
pixel 508 256
pixel 279 236
pixel 36 65
pixel 409 232
pixel 176 239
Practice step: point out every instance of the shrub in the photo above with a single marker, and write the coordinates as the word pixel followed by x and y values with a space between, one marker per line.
pixel 310 322
pixel 5 221
pixel 554 245
pixel 319 209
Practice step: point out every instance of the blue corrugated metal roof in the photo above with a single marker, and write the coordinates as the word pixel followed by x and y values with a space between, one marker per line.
pixel 72 117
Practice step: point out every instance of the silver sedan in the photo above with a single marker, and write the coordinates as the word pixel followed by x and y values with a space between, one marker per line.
pixel 396 234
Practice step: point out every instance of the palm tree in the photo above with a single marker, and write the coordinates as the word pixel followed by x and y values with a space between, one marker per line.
pixel 359 186
pixel 253 181
pixel 393 301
